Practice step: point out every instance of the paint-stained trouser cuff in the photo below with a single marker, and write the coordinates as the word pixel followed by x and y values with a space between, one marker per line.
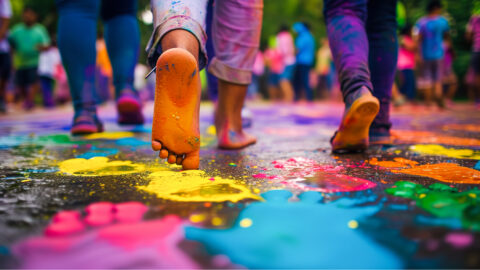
pixel 236 29
pixel 186 15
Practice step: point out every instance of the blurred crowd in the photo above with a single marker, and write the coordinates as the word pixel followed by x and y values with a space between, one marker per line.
pixel 296 70
pixel 293 66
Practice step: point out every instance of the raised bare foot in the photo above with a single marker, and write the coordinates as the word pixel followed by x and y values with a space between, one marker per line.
pixel 352 135
pixel 175 129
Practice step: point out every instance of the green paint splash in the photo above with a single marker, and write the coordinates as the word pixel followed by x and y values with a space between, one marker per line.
pixel 443 201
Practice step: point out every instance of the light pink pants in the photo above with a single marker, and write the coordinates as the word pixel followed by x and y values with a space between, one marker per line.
pixel 236 29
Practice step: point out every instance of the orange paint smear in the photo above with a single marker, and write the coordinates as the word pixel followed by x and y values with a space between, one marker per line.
pixel 462 127
pixel 445 172
pixel 396 163
pixel 426 137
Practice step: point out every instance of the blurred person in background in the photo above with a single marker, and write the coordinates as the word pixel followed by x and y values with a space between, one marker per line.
pixel 323 69
pixel 274 61
pixel 406 63
pixel 48 62
pixel 257 71
pixel 473 35
pixel 305 55
pixel 287 50
pixel 449 78
pixel 104 73
pixel 5 60
pixel 430 32
pixel 77 33
pixel 27 39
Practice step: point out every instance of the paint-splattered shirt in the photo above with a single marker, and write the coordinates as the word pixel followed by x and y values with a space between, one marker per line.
pixel 473 27
pixel 432 31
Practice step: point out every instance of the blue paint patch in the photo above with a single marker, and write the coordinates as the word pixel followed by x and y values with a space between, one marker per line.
pixel 303 234
pixel 452 223
pixel 141 129
pixel 477 166
pixel 98 152
pixel 131 142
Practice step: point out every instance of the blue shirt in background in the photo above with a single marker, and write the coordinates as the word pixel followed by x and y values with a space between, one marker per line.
pixel 432 31
pixel 305 45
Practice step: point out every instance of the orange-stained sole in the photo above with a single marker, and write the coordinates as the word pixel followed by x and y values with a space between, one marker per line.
pixel 177 103
pixel 353 133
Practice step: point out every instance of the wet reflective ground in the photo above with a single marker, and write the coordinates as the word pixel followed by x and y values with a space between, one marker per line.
pixel 106 201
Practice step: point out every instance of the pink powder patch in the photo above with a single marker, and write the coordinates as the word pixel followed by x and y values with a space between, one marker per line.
pixel 326 178
pixel 459 239
pixel 126 242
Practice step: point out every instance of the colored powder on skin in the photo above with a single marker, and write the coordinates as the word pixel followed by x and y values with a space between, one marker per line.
pixel 443 201
pixel 112 135
pixel 195 186
pixel 303 234
pixel 121 240
pixel 99 166
pixel 438 150
pixel 396 163
pixel 445 172
pixel 426 137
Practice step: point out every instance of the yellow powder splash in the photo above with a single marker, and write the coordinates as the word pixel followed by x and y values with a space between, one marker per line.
pixel 445 172
pixel 113 135
pixel 396 163
pixel 99 166
pixel 438 150
pixel 195 186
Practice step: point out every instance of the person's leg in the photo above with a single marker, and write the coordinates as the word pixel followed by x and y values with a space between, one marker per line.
pixel 177 49
pixel 212 81
pixel 383 48
pixel 409 83
pixel 285 85
pixel 77 28
pixel 46 83
pixel 5 68
pixel 30 87
pixel 438 85
pixel 297 82
pixel 236 36
pixel 122 37
pixel 306 82
pixel 476 77
pixel 349 45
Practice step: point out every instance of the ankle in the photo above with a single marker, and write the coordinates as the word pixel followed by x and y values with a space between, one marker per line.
pixel 354 95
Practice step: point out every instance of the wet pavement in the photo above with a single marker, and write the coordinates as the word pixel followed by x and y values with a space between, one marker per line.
pixel 107 201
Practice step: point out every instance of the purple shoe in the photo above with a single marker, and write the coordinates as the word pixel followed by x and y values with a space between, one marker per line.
pixel 86 123
pixel 129 109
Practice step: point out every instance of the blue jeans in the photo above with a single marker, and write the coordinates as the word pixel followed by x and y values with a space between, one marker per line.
pixel 77 32
pixel 363 40
pixel 301 81
pixel 408 83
